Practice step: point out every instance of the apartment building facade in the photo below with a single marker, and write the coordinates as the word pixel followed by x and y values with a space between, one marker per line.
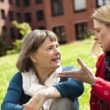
pixel 69 19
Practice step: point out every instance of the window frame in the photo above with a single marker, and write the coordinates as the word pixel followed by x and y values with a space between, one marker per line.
pixel 26 4
pixel 3 14
pixel 55 8
pixel 83 30
pixel 18 3
pixel 38 1
pixel 28 17
pixel 40 15
pixel 61 34
pixel 104 3
pixel 10 2
pixel 12 33
pixel 79 10
pixel 19 17
pixel 11 15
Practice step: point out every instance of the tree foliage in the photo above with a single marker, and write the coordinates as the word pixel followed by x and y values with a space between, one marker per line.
pixel 24 28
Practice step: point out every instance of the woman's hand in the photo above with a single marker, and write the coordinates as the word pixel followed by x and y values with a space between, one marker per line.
pixel 84 74
pixel 37 101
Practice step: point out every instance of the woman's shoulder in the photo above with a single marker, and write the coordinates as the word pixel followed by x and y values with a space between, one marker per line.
pixel 100 59
pixel 101 56
pixel 68 68
pixel 17 76
pixel 16 79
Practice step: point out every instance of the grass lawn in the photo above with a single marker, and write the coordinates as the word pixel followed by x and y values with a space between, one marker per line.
pixel 69 54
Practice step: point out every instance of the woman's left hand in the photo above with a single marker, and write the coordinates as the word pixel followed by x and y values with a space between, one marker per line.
pixel 36 102
pixel 84 74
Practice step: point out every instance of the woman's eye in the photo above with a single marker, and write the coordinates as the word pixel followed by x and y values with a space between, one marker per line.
pixel 97 31
pixel 57 46
pixel 50 47
pixel 53 47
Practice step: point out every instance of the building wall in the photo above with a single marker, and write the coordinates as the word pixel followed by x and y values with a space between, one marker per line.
pixel 69 19
pixel 5 7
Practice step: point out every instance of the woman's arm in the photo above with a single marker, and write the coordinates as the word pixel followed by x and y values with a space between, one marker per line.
pixel 13 95
pixel 70 88
pixel 40 97
pixel 101 89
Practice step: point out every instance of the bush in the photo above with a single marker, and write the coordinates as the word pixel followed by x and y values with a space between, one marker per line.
pixel 24 28
pixel 17 45
pixel 4 48
pixel 3 44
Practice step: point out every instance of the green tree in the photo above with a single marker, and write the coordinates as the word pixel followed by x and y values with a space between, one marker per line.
pixel 24 28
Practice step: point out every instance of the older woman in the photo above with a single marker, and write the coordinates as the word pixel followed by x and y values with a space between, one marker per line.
pixel 100 93
pixel 36 86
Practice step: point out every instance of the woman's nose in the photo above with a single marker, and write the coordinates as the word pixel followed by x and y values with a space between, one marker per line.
pixel 96 37
pixel 57 50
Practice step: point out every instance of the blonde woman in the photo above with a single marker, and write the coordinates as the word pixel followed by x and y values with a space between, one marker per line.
pixel 100 93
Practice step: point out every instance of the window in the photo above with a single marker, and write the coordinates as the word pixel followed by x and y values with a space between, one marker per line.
pixel 102 2
pixel 19 17
pixel 57 7
pixel 79 5
pixel 17 2
pixel 4 31
pixel 60 32
pixel 41 27
pixel 2 14
pixel 38 1
pixel 18 34
pixel 26 2
pixel 27 17
pixel 81 29
pixel 11 16
pixel 12 33
pixel 2 0
pixel 40 15
pixel 10 2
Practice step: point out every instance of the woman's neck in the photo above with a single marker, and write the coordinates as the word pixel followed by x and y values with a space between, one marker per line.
pixel 43 74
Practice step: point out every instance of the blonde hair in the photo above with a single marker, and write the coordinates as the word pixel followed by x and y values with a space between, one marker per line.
pixel 102 15
pixel 30 44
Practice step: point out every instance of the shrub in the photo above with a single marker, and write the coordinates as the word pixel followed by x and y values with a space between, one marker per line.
pixel 24 28
pixel 4 46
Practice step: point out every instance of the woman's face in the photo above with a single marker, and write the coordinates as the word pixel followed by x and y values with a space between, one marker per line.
pixel 102 35
pixel 48 55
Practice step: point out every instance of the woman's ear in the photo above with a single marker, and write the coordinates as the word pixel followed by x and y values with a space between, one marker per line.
pixel 33 58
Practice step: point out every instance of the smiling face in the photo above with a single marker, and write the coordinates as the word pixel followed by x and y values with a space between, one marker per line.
pixel 102 35
pixel 47 56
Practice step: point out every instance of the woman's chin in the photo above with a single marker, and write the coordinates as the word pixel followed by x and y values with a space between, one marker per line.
pixel 58 65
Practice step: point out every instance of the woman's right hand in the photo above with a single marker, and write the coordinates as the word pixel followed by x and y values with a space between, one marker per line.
pixel 36 102
pixel 84 74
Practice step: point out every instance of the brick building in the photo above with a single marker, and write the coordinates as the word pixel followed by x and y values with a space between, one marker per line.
pixel 69 19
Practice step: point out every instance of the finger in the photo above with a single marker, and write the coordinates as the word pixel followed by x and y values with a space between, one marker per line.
pixel 81 63
pixel 62 76
pixel 65 74
pixel 32 101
